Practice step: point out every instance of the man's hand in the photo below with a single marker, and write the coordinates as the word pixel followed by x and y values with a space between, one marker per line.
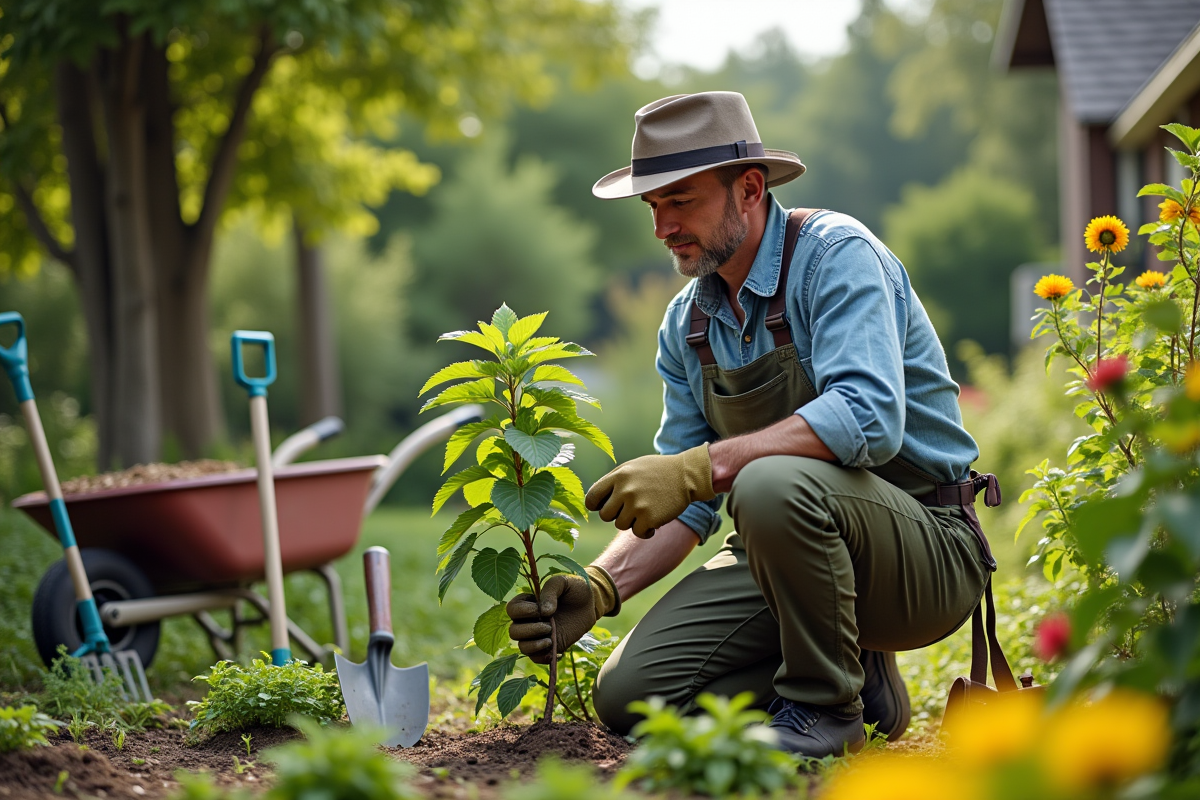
pixel 574 604
pixel 650 491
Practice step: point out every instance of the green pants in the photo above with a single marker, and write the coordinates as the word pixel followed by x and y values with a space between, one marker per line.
pixel 826 560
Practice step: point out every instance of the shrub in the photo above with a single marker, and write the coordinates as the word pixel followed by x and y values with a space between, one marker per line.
pixel 729 750
pixel 23 728
pixel 261 694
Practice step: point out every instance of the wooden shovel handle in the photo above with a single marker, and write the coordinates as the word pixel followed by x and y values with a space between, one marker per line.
pixel 378 569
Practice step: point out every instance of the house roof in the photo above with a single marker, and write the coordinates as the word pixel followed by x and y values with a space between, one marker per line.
pixel 1105 51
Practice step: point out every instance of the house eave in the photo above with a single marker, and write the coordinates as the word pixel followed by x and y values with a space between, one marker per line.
pixel 1157 101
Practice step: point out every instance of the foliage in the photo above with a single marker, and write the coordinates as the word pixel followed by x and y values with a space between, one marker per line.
pixel 556 780
pixel 23 728
pixel 727 750
pixel 338 762
pixel 69 691
pixel 241 697
pixel 520 480
pixel 1125 511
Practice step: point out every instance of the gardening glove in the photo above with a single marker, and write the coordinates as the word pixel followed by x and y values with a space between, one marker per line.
pixel 648 492
pixel 575 605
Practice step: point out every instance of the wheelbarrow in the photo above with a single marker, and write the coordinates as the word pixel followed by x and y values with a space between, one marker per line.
pixel 193 545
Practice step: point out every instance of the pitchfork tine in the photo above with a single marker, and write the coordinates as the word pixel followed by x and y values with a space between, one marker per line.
pixel 135 675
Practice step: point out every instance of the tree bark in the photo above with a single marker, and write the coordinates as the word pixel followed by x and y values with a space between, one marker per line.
pixel 137 403
pixel 320 377
pixel 90 264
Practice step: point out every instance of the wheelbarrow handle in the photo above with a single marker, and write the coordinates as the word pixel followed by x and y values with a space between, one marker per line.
pixel 255 387
pixel 377 569
pixel 15 358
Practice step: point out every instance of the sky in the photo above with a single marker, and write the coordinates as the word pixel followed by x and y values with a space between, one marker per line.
pixel 699 33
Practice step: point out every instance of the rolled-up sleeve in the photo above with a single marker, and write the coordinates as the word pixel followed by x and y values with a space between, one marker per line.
pixel 683 424
pixel 856 318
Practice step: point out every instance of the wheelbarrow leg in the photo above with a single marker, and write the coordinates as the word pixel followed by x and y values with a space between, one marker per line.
pixel 337 606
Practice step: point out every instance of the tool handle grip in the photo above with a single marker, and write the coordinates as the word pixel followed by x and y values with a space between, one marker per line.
pixel 15 358
pixel 378 569
pixel 255 387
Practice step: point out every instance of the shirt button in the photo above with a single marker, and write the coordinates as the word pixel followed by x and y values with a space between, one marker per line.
pixel 747 338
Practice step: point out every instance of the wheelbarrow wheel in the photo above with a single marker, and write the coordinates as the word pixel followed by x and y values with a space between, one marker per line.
pixel 112 577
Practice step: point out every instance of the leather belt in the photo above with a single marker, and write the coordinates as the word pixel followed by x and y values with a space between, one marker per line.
pixel 964 494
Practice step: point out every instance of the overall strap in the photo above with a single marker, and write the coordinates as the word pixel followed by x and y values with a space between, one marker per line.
pixel 777 321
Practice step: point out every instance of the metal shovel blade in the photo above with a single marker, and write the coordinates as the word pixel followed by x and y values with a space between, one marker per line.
pixel 394 700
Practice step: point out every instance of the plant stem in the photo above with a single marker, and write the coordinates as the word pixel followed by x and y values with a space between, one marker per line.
pixel 568 709
pixel 552 668
pixel 578 691
pixel 1100 304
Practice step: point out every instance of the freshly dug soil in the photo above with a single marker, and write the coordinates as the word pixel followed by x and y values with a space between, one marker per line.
pixel 103 771
pixel 504 754
pixel 147 473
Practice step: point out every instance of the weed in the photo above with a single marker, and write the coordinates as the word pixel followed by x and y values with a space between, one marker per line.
pixel 69 689
pixel 240 766
pixel 726 751
pixel 137 762
pixel 61 781
pixel 78 727
pixel 246 737
pixel 155 749
pixel 261 694
pixel 23 728
pixel 118 738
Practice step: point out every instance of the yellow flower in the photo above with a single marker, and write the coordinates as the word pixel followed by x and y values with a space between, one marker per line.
pixel 1106 234
pixel 1053 287
pixel 1191 381
pixel 1170 210
pixel 1003 730
pixel 1151 280
pixel 897 777
pixel 1107 742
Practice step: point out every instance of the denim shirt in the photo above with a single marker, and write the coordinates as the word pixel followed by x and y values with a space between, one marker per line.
pixel 862 337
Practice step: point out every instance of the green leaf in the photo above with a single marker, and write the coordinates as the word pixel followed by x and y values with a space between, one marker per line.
pixel 571 564
pixel 461 525
pixel 491 629
pixel 522 505
pixel 1164 315
pixel 512 692
pixel 1188 135
pixel 455 564
pixel 569 490
pixel 461 439
pixel 492 675
pixel 1098 522
pixel 456 482
pixel 560 528
pixel 493 334
pixel 503 319
pixel 480 391
pixel 565 456
pixel 580 426
pixel 525 327
pixel 471 337
pixel 456 371
pixel 553 398
pixel 539 450
pixel 479 492
pixel 496 573
pixel 553 372
pixel 556 351
pixel 1161 190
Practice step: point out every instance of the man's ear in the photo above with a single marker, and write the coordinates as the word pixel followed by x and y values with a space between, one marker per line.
pixel 752 189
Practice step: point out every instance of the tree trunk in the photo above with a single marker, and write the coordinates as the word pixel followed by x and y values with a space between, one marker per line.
pixel 137 408
pixel 76 109
pixel 320 378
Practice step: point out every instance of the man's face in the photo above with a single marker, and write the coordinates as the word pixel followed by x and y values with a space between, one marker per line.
pixel 699 221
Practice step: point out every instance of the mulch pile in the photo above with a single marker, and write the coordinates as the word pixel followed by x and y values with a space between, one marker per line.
pixel 147 473
pixel 492 758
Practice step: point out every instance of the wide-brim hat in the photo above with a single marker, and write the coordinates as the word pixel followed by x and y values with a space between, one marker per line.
pixel 684 134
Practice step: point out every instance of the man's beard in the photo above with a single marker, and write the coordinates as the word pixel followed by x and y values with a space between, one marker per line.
pixel 727 238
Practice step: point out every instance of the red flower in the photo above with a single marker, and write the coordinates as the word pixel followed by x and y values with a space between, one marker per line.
pixel 1052 636
pixel 1107 373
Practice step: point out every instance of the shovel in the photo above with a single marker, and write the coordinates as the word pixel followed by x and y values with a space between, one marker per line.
pixel 393 700
pixel 256 388
pixel 96 652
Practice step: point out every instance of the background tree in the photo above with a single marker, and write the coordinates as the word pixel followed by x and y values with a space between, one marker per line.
pixel 128 132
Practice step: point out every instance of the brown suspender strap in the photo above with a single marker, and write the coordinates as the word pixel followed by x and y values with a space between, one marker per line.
pixel 777 322
pixel 985 644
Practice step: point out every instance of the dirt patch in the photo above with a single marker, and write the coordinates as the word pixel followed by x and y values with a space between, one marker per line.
pixel 492 758
pixel 147 473
pixel 144 767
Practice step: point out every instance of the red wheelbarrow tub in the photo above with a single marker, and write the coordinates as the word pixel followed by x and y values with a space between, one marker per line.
pixel 208 529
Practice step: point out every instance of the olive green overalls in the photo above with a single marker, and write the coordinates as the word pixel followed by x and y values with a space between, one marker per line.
pixel 825 560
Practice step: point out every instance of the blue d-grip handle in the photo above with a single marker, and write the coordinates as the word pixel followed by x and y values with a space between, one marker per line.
pixel 255 387
pixel 16 358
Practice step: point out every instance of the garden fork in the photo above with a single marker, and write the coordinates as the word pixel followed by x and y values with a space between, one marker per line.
pixel 96 652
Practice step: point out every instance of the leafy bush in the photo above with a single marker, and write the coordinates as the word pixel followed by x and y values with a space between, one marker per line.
pixel 23 728
pixel 341 763
pixel 262 694
pixel 70 692
pixel 520 481
pixel 729 750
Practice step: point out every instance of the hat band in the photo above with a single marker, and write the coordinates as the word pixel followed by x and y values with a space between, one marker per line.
pixel 695 158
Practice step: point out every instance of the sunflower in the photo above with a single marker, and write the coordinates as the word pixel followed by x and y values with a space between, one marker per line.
pixel 1151 280
pixel 1053 287
pixel 1106 234
pixel 1169 210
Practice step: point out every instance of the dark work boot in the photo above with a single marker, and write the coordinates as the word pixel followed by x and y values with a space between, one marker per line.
pixel 814 732
pixel 884 695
